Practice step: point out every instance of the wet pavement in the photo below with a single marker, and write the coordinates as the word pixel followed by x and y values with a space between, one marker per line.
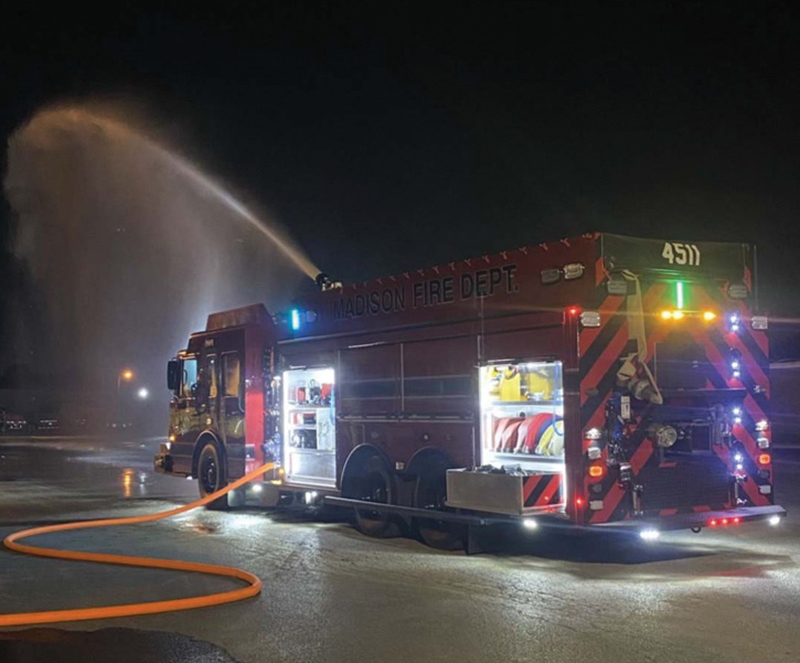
pixel 331 594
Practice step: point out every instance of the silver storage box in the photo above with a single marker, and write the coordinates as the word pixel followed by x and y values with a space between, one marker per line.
pixel 485 491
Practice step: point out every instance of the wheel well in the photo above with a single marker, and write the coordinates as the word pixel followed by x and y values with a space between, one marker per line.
pixel 357 461
pixel 425 456
pixel 204 439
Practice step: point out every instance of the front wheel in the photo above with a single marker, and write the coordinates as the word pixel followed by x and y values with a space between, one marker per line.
pixel 211 475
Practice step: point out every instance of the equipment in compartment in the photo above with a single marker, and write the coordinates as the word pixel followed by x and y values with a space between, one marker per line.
pixel 310 426
pixel 521 383
pixel 326 438
pixel 522 413
pixel 541 434
pixel 304 439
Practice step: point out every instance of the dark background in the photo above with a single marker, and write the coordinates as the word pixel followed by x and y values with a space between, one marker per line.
pixel 388 136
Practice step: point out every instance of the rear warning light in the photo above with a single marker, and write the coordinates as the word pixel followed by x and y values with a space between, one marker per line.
pixel 579 501
pixel 709 316
pixel 590 319
pixel 724 521
pixel 737 291
pixel 573 271
pixel 573 310
pixel 596 471
pixel 617 286
pixel 764 459
pixel 550 276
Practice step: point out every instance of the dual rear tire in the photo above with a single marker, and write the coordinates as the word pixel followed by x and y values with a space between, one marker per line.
pixel 430 492
pixel 374 482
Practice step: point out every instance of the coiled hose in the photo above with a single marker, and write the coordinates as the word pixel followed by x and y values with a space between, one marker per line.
pixel 253 587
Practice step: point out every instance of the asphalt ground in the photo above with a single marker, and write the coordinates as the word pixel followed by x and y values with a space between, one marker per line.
pixel 331 594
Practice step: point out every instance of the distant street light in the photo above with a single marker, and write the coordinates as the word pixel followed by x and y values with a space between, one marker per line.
pixel 143 393
pixel 127 375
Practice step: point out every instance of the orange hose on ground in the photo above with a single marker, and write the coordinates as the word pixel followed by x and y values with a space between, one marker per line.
pixel 128 610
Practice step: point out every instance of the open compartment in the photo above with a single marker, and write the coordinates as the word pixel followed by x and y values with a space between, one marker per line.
pixel 309 426
pixel 522 466
pixel 522 408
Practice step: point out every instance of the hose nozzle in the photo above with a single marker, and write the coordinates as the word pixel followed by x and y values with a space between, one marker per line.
pixel 325 283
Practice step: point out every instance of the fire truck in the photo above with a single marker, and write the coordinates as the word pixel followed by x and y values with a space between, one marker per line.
pixel 600 381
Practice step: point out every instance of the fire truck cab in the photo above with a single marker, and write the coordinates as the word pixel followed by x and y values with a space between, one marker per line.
pixel 597 381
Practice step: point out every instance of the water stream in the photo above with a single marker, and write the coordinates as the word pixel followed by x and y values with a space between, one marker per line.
pixel 132 244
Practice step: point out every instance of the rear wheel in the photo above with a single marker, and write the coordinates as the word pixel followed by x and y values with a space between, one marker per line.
pixel 430 492
pixel 374 483
pixel 211 475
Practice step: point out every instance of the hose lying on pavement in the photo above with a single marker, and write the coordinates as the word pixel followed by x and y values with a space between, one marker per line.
pixel 127 610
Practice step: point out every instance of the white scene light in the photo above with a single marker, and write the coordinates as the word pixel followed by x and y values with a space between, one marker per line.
pixel 649 534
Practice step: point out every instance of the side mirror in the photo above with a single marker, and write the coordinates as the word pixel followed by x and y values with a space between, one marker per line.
pixel 174 372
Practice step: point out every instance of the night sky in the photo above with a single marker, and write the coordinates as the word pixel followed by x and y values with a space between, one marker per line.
pixel 389 136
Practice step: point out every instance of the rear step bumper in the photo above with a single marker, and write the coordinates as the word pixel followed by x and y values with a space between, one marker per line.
pixel 699 519
pixel 678 521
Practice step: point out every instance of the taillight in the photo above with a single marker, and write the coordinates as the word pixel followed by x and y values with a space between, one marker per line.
pixel 596 471
pixel 724 521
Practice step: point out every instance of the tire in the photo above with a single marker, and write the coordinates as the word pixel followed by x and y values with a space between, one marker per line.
pixel 374 483
pixel 211 475
pixel 430 492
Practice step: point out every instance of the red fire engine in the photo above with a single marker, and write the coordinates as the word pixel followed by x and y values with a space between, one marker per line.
pixel 596 381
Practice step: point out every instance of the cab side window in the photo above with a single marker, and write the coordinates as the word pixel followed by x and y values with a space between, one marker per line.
pixel 189 377
pixel 232 370
pixel 211 372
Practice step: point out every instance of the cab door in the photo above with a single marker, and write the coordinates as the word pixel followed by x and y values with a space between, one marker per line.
pixel 232 399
